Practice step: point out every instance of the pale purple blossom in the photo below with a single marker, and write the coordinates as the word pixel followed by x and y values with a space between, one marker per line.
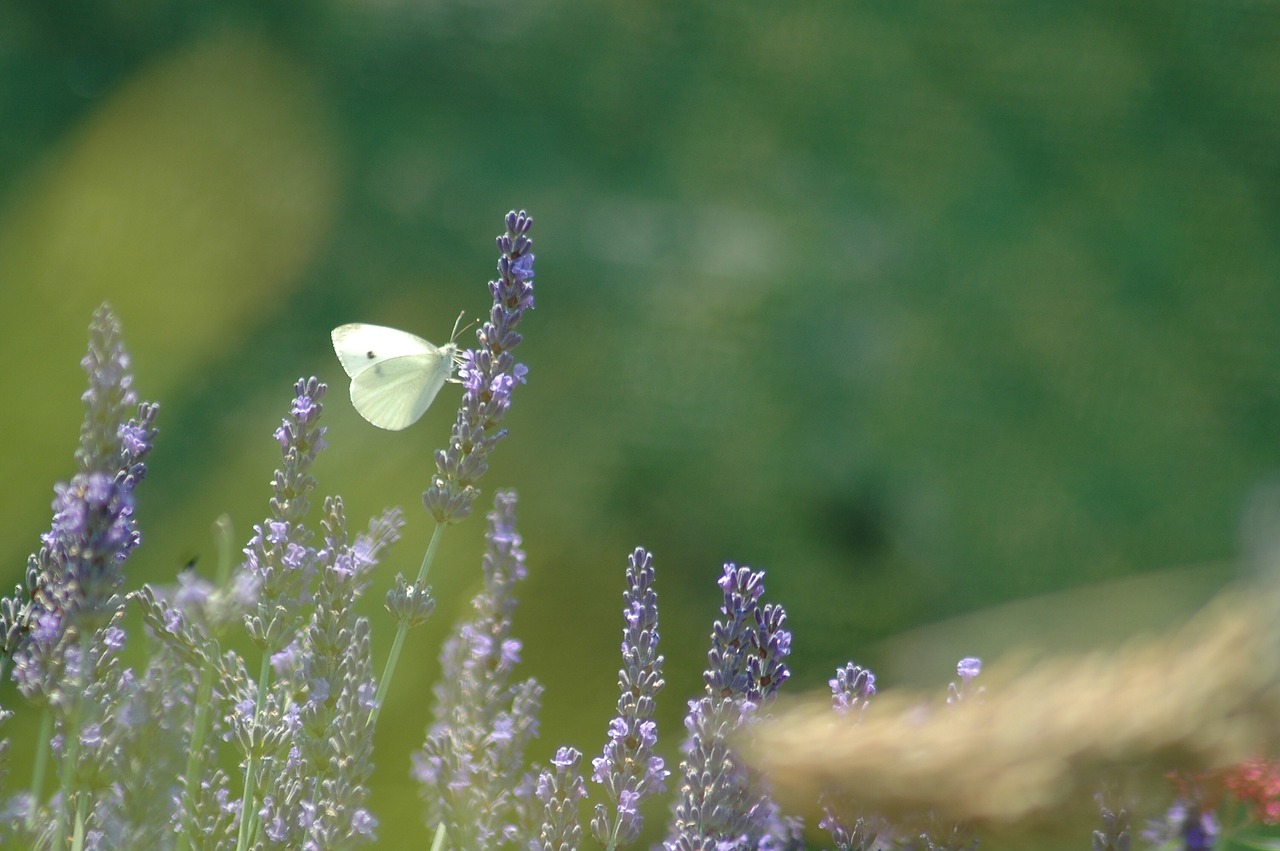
pixel 628 769
pixel 488 373
pixel 720 800
pixel 968 669
pixel 1186 826
pixel 852 688
pixel 470 766
pixel 560 790
pixel 851 692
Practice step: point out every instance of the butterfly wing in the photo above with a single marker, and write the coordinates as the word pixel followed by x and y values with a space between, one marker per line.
pixel 361 346
pixel 394 393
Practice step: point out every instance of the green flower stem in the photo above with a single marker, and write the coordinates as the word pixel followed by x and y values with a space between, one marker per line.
pixel 249 807
pixel 42 763
pixel 71 756
pixel 402 629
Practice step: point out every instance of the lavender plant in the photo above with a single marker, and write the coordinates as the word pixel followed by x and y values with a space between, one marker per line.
pixel 629 770
pixel 62 632
pixel 720 802
pixel 470 769
pixel 560 790
pixel 489 374
pixel 851 692
pixel 138 757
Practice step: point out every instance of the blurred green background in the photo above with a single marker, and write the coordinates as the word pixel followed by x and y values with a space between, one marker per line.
pixel 921 307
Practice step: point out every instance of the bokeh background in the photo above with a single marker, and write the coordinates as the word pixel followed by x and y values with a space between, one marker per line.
pixel 921 307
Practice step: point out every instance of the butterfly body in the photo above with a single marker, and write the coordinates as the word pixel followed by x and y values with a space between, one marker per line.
pixel 395 375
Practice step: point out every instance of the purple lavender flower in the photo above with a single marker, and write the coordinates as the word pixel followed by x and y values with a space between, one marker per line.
pixel 278 556
pixel 851 691
pixel 65 637
pixel 304 734
pixel 137 749
pixel 720 801
pixel 312 731
pixel 747 648
pixel 628 768
pixel 715 805
pixel 109 441
pixel 471 762
pixel 489 373
pixel 859 837
pixel 1185 825
pixel 284 567
pixel 1200 831
pixel 335 748
pixel 968 669
pixel 560 791
pixel 1115 835
pixel 74 579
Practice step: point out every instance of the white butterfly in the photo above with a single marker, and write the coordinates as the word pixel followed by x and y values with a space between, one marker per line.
pixel 395 375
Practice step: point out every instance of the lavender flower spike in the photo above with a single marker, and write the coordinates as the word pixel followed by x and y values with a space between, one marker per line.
pixel 489 373
pixel 73 580
pixel 63 637
pixel 749 645
pixel 279 557
pixel 473 755
pixel 628 768
pixel 560 791
pixel 852 688
pixel 721 804
pixel 851 692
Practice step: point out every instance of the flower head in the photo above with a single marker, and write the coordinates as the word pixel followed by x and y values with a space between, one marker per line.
pixel 628 768
pixel 968 669
pixel 720 800
pixel 852 688
pixel 279 558
pixel 489 373
pixel 560 790
pixel 472 759
pixel 748 646
pixel 73 581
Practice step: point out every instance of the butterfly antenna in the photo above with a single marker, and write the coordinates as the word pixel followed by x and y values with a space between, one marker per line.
pixel 458 330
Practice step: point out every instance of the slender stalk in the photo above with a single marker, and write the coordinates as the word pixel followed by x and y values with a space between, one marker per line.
pixel 77 837
pixel 64 782
pixel 71 749
pixel 402 629
pixel 249 806
pixel 42 763
pixel 199 730
pixel 437 842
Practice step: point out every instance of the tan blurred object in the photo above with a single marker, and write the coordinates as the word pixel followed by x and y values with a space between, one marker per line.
pixel 1079 620
pixel 1041 741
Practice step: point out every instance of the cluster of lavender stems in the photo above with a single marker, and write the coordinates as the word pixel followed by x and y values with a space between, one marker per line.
pixel 137 753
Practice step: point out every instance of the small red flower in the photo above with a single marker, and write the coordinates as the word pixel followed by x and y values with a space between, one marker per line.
pixel 1257 782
